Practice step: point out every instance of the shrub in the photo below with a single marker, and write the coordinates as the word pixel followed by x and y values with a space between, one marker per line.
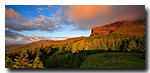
pixel 75 64
pixel 61 47
pixel 8 62
pixel 22 62
pixel 37 63
pixel 132 46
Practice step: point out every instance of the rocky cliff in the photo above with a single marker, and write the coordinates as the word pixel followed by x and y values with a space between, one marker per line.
pixel 134 28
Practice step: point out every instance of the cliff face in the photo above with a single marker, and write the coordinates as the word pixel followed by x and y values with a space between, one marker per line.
pixel 135 28
pixel 105 29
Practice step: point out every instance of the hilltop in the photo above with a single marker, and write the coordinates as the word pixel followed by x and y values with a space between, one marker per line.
pixel 121 27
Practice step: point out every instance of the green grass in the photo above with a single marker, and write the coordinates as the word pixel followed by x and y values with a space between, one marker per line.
pixel 114 60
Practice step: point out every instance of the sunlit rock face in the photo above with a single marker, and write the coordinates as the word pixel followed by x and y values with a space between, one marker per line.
pixel 121 27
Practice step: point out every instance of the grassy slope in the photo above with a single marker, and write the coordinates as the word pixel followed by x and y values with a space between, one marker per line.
pixel 114 60
pixel 138 30
pixel 135 28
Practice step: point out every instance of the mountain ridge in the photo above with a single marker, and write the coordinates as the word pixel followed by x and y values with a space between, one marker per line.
pixel 121 27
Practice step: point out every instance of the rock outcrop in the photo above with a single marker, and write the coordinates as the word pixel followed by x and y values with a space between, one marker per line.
pixel 135 28
pixel 105 29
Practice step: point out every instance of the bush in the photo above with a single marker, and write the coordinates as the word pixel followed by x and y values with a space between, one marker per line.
pixel 132 46
pixel 37 63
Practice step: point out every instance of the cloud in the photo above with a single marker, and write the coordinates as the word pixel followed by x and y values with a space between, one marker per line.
pixel 41 9
pixel 18 27
pixel 43 23
pixel 57 38
pixel 34 38
pixel 56 7
pixel 46 8
pixel 29 12
pixel 50 6
pixel 16 38
pixel 44 37
pixel 59 10
pixel 11 34
pixel 49 24
pixel 77 28
pixel 16 23
pixel 88 16
pixel 40 12
pixel 10 41
pixel 11 15
pixel 61 18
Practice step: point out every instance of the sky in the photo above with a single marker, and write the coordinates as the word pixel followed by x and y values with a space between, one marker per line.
pixel 31 23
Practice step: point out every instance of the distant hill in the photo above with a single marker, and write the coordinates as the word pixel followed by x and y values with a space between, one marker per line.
pixel 14 47
pixel 121 27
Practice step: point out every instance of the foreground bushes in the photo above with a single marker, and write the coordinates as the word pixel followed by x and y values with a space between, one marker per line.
pixel 68 60
pixel 28 58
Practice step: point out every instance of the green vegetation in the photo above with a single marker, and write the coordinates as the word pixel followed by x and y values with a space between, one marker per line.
pixel 110 42
pixel 26 46
pixel 114 60
pixel 79 52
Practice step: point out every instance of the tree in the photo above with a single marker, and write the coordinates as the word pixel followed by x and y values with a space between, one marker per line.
pixel 69 65
pixel 74 64
pixel 37 63
pixel 132 46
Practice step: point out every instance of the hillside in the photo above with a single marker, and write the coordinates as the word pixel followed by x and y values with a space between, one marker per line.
pixel 133 28
pixel 14 47
pixel 94 51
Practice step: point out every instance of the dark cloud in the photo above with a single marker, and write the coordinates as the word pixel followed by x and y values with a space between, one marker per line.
pixel 18 27
pixel 43 24
pixel 11 34
pixel 16 38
